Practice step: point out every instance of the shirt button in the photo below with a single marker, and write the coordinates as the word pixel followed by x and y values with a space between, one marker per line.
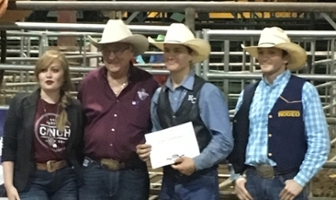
pixel 270 154
pixel 174 116
pixel 111 145
pixel 115 115
pixel 269 135
pixel 118 101
pixel 112 129
pixel 270 116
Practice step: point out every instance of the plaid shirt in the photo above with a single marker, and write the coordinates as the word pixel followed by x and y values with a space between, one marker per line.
pixel 316 128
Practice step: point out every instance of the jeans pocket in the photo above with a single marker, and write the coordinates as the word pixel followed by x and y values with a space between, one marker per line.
pixel 282 180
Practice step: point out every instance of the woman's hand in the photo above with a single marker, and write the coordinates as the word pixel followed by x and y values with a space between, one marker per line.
pixel 12 193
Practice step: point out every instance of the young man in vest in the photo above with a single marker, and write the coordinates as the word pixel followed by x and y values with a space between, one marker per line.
pixel 186 97
pixel 281 134
pixel 116 100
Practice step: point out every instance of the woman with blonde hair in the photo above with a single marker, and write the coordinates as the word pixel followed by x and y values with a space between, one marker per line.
pixel 43 136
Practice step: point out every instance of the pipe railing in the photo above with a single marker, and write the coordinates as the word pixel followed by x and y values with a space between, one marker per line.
pixel 172 6
pixel 148 29
pixel 250 37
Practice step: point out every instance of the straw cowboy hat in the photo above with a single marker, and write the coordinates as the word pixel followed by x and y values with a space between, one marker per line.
pixel 11 15
pixel 117 31
pixel 276 37
pixel 178 33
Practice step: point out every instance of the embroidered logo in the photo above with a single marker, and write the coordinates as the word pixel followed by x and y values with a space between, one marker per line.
pixel 142 94
pixel 289 113
pixel 192 99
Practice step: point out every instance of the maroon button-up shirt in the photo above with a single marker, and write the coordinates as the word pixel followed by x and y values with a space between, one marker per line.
pixel 115 125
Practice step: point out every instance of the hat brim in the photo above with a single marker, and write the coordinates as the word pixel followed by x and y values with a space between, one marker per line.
pixel 298 56
pixel 139 42
pixel 200 47
pixel 3 6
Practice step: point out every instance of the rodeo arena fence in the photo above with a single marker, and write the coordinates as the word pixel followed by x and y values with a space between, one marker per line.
pixel 23 42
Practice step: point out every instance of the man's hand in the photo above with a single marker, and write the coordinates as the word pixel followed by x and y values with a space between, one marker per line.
pixel 184 165
pixel 12 193
pixel 291 190
pixel 143 150
pixel 240 189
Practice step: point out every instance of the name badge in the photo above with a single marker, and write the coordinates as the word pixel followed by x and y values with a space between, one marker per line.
pixel 289 113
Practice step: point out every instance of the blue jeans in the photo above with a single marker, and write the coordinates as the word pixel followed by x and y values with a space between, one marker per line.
pixel 125 184
pixel 269 189
pixel 43 185
pixel 199 186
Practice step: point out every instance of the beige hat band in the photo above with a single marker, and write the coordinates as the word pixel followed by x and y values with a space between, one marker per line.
pixel 263 43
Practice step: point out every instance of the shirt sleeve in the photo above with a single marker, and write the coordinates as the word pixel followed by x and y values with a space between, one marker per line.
pixel 317 135
pixel 239 102
pixel 11 129
pixel 80 90
pixel 215 115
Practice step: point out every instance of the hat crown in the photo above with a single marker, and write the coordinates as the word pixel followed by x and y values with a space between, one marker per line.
pixel 273 35
pixel 178 33
pixel 115 30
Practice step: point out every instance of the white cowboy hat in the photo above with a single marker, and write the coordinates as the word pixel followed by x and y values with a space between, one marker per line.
pixel 276 37
pixel 117 31
pixel 178 33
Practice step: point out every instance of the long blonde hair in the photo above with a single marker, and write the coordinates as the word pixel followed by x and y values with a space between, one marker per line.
pixel 44 62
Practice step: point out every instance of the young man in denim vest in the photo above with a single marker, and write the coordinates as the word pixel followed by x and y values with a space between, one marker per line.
pixel 280 131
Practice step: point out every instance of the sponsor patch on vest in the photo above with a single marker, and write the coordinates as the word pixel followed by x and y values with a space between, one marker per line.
pixel 289 113
pixel 192 99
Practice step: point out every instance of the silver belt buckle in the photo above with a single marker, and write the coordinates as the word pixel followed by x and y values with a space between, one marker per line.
pixel 266 171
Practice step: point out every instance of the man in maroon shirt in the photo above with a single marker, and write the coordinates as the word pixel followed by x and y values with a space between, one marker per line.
pixel 116 100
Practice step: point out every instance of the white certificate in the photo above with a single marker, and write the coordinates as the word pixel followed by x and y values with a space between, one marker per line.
pixel 172 143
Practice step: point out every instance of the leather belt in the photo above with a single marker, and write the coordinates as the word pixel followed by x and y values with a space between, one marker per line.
pixel 51 165
pixel 265 171
pixel 111 164
pixel 115 165
pixel 106 163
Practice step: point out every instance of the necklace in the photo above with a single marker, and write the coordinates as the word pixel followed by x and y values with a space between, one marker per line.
pixel 116 87
pixel 51 138
pixel 121 88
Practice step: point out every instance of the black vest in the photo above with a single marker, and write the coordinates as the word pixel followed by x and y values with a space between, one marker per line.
pixel 287 142
pixel 240 130
pixel 188 111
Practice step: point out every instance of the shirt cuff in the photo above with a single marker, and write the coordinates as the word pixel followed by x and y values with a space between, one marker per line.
pixel 301 180
pixel 234 177
pixel 198 164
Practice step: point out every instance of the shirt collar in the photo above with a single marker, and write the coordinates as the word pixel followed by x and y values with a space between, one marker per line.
pixel 131 72
pixel 187 83
pixel 279 79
